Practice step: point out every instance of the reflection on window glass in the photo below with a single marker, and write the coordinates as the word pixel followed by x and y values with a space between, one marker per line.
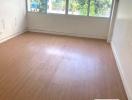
pixel 100 8
pixel 78 7
pixel 37 5
pixel 56 6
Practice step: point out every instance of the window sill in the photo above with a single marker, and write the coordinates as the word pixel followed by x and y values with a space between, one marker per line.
pixel 58 14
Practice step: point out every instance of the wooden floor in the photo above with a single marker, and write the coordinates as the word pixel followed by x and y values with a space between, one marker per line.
pixel 36 66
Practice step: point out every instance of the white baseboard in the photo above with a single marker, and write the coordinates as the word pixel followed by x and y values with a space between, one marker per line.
pixel 67 34
pixel 4 39
pixel 119 65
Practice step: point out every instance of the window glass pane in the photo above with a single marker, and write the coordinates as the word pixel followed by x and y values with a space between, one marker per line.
pixel 56 6
pixel 78 7
pixel 37 5
pixel 100 8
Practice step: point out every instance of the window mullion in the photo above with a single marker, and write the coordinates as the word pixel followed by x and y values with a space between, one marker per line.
pixel 46 6
pixel 88 7
pixel 67 3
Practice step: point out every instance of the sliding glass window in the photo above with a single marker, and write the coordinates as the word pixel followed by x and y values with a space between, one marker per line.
pixel 78 7
pixel 100 8
pixel 96 8
pixel 37 6
pixel 56 6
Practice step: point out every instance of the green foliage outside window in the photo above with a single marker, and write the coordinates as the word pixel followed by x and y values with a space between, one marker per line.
pixel 80 6
pixel 100 7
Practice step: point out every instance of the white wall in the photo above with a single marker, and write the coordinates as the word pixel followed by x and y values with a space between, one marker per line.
pixel 12 18
pixel 122 43
pixel 112 20
pixel 68 25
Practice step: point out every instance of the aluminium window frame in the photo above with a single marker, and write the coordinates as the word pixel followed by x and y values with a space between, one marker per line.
pixel 66 11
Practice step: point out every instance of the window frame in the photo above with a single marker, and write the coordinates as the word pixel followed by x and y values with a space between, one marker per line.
pixel 66 11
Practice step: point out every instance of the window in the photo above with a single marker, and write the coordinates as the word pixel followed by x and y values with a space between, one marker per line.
pixel 56 6
pixel 37 5
pixel 97 8
pixel 78 7
pixel 100 8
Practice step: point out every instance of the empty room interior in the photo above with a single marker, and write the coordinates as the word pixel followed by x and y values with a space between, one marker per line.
pixel 66 50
